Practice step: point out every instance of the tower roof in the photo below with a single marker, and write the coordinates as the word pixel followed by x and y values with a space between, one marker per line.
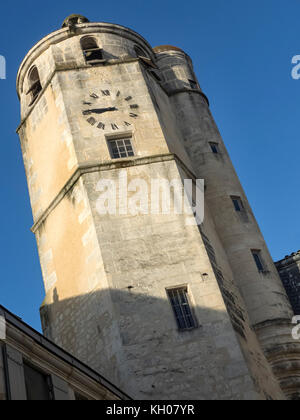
pixel 74 20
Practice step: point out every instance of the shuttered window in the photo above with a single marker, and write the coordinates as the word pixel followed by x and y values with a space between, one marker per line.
pixel 38 384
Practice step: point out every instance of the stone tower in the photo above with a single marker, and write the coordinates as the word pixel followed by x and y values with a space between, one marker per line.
pixel 165 309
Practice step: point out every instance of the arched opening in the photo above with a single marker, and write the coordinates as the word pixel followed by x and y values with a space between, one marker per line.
pixel 140 52
pixel 91 51
pixel 147 61
pixel 35 86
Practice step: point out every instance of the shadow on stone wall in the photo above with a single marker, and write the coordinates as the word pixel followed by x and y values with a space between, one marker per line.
pixel 132 339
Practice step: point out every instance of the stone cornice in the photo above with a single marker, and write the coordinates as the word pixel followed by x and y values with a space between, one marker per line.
pixel 183 90
pixel 68 67
pixel 272 323
pixel 91 167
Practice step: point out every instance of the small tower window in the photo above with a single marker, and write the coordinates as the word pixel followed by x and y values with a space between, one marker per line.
pixel 215 148
pixel 238 204
pixel 181 308
pixel 91 51
pixel 35 86
pixel 258 260
pixel 193 84
pixel 121 148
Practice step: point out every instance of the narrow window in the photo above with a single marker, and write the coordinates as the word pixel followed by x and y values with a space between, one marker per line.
pixel 181 308
pixel 215 148
pixel 238 204
pixel 193 84
pixel 91 51
pixel 258 260
pixel 38 384
pixel 35 86
pixel 120 148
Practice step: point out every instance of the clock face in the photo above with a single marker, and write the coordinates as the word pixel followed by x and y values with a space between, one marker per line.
pixel 106 110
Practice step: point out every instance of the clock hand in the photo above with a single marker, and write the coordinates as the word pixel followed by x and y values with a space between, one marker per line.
pixel 99 110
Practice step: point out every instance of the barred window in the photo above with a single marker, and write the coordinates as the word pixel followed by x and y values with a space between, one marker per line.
pixel 121 148
pixel 181 308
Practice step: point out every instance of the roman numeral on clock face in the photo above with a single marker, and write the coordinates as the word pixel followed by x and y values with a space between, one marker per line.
pixel 128 98
pixel 132 115
pixel 92 121
pixel 93 95
pixel 114 127
pixel 105 92
pixel 101 126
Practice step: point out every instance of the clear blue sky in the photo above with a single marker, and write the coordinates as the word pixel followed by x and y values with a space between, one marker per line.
pixel 242 53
